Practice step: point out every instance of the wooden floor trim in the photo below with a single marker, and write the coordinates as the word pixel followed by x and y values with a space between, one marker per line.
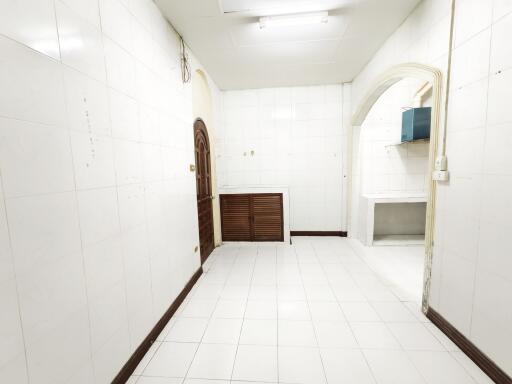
pixel 132 363
pixel 318 233
pixel 470 349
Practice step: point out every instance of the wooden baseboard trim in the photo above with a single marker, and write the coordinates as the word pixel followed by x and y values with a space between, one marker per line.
pixel 127 370
pixel 471 350
pixel 318 233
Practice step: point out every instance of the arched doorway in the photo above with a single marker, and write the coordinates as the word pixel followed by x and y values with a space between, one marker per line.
pixel 203 107
pixel 204 189
pixel 437 144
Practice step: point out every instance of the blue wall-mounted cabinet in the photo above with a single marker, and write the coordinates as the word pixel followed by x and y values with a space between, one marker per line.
pixel 416 124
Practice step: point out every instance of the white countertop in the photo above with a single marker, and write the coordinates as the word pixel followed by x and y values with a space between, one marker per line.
pixel 396 197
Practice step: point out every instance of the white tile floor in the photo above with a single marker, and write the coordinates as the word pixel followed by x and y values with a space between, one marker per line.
pixel 323 310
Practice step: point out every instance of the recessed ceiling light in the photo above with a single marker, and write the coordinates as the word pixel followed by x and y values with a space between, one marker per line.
pixel 294 19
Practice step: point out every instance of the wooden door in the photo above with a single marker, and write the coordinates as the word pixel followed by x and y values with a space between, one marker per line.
pixel 252 217
pixel 204 190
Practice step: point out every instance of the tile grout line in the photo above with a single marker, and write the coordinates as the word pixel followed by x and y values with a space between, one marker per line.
pixel 480 208
pixel 309 310
pixel 245 310
pixel 75 192
pixel 402 349
pixel 185 303
pixel 405 351
pixel 209 319
pixel 14 277
pixel 361 351
pixel 118 205
pixel 329 282
pixel 204 332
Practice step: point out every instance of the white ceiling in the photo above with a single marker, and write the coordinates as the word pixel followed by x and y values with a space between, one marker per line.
pixel 226 38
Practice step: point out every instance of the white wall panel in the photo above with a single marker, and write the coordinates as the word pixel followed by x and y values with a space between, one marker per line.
pixel 98 217
pixel 287 137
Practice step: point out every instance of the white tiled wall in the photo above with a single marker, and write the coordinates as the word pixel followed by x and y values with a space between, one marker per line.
pixel 97 206
pixel 287 137
pixel 422 38
pixel 385 166
pixel 98 219
pixel 471 280
pixel 474 290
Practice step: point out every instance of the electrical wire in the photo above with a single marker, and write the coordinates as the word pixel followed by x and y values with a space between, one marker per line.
pixel 186 74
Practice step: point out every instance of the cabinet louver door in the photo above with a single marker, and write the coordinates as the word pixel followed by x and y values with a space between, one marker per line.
pixel 267 210
pixel 252 217
pixel 236 217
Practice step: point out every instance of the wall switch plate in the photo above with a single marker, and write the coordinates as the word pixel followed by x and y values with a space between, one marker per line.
pixel 192 168
pixel 441 163
pixel 440 176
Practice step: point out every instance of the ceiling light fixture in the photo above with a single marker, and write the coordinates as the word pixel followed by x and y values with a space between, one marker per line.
pixel 294 19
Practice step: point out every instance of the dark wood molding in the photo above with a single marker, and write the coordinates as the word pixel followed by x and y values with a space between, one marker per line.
pixel 127 370
pixel 470 349
pixel 318 233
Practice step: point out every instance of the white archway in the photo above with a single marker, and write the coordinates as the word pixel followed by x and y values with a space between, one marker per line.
pixel 437 147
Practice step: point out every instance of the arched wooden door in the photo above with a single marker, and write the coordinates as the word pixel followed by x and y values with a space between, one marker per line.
pixel 204 189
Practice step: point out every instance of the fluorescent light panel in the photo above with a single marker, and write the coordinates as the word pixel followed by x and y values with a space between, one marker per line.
pixel 294 19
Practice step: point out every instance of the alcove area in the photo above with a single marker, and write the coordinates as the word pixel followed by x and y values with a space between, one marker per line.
pixel 399 223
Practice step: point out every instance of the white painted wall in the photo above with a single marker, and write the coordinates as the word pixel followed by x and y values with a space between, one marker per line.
pixel 471 278
pixel 98 219
pixel 297 138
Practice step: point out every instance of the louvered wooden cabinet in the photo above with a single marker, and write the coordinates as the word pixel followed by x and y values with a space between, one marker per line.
pixel 252 217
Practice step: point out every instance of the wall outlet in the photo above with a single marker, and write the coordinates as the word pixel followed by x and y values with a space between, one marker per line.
pixel 440 176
